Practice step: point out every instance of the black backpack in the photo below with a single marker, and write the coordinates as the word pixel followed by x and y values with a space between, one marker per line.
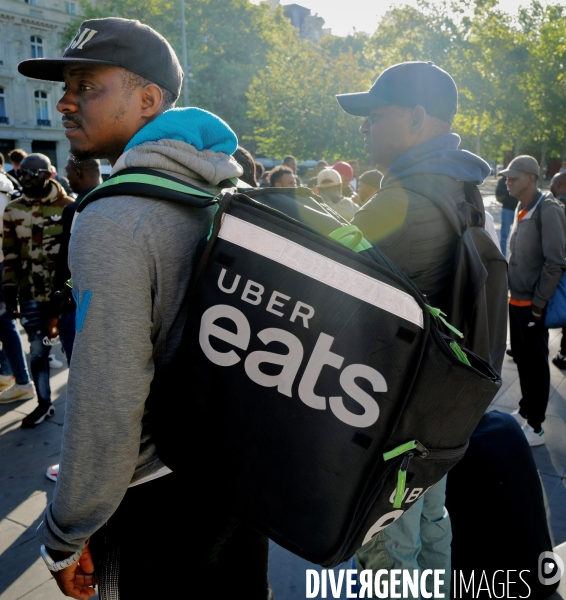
pixel 315 391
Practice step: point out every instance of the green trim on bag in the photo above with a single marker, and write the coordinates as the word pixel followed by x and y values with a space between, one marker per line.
pixel 351 237
pixel 460 353
pixel 154 180
pixel 69 283
pixel 216 207
pixel 400 490
pixel 406 447
pixel 436 312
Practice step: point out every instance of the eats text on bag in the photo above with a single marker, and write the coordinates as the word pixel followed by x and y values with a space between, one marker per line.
pixel 321 355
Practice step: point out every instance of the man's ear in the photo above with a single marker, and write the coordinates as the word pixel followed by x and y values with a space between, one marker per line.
pixel 418 116
pixel 151 98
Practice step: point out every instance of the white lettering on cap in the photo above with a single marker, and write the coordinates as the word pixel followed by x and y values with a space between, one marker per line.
pixel 82 38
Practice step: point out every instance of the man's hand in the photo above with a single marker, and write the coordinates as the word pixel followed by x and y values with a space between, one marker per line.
pixel 52 327
pixel 537 313
pixel 78 580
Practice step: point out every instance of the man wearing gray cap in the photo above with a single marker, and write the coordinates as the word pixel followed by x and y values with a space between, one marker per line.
pixel 416 218
pixel 116 506
pixel 536 261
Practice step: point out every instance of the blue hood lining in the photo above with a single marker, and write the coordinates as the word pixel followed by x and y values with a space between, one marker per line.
pixel 195 126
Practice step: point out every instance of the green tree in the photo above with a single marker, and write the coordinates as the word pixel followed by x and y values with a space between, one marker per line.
pixel 293 106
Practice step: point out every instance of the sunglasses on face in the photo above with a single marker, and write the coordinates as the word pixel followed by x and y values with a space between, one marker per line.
pixel 21 173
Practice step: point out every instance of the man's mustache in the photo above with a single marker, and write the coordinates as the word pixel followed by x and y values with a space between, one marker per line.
pixel 74 120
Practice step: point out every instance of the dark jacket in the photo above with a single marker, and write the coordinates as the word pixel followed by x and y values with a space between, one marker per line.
pixel 537 252
pixel 62 271
pixel 415 220
pixel 502 195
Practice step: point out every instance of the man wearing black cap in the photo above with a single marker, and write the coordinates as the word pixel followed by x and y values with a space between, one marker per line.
pixel 414 219
pixel 131 259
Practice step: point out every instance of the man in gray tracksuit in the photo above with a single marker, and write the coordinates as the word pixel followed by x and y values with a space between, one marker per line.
pixel 536 262
pixel 116 507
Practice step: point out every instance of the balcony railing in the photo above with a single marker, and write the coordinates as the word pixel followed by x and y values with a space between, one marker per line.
pixel 4 120
pixel 43 122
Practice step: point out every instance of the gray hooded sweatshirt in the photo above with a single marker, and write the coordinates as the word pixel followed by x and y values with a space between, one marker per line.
pixel 131 260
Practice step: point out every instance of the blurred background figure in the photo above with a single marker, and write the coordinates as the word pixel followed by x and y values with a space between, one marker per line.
pixel 282 176
pixel 291 162
pixel 368 184
pixel 507 212
pixel 246 161
pixel 347 174
pixel 259 173
pixel 62 180
pixel 355 164
pixel 16 156
pixel 321 164
pixel 329 186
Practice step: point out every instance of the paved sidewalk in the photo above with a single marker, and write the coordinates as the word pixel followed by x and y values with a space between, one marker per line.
pixel 24 489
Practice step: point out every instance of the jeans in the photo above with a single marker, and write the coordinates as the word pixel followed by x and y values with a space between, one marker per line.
pixel 67 333
pixel 419 539
pixel 12 357
pixel 529 343
pixel 507 216
pixel 34 319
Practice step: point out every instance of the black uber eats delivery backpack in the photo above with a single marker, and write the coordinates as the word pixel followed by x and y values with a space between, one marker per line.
pixel 315 390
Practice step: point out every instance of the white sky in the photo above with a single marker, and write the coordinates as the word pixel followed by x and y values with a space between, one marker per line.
pixel 342 16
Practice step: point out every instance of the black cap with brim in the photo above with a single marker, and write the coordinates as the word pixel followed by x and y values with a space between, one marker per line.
pixel 407 84
pixel 51 69
pixel 116 42
pixel 359 104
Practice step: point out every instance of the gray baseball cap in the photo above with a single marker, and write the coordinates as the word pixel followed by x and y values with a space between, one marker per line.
pixel 522 164
pixel 116 42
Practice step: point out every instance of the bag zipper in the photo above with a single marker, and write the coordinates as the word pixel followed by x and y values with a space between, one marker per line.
pixel 410 450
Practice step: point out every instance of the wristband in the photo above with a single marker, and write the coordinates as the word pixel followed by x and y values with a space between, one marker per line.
pixel 53 565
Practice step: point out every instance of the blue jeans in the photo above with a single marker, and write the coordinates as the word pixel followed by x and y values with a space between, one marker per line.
pixel 67 333
pixel 12 357
pixel 507 216
pixel 419 539
pixel 34 319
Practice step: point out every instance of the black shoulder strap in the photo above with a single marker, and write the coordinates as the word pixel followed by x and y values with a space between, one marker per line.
pixel 150 183
pixel 473 207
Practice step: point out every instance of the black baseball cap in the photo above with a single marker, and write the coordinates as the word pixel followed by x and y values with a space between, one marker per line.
pixel 407 84
pixel 119 43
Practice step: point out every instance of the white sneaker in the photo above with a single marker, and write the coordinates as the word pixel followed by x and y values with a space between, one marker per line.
pixel 52 472
pixel 54 363
pixel 17 393
pixel 534 439
pixel 519 418
pixel 6 381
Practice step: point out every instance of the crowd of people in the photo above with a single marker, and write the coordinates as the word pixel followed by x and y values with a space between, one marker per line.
pixel 130 259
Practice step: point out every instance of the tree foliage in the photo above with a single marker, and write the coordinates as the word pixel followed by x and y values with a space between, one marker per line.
pixel 249 66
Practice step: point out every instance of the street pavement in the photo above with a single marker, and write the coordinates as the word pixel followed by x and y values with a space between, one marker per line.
pixel 25 491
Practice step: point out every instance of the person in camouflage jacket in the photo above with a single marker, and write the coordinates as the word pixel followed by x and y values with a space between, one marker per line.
pixel 32 230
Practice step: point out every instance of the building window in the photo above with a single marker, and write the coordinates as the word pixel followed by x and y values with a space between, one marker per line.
pixel 31 1
pixel 42 109
pixel 71 8
pixel 3 117
pixel 36 46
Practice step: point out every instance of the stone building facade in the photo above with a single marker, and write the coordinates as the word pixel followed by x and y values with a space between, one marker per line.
pixel 28 117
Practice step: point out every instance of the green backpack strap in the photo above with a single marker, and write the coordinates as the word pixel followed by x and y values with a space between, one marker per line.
pixel 149 183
